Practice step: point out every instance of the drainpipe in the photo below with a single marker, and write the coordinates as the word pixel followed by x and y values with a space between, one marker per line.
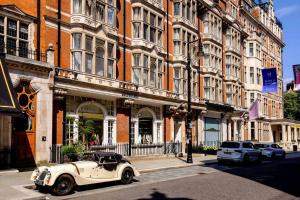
pixel 124 76
pixel 124 40
pixel 38 33
pixel 168 46
pixel 58 32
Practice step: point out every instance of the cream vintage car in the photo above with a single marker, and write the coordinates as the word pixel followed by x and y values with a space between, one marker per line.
pixel 96 167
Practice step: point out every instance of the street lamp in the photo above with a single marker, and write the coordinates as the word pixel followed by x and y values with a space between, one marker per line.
pixel 188 126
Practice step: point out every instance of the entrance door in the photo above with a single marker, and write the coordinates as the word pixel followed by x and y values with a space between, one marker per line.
pixel 23 128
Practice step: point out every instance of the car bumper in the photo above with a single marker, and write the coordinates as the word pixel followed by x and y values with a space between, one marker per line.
pixel 237 160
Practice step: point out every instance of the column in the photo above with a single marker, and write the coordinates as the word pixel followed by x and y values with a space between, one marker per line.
pixel 242 130
pixel 229 130
pixel 289 134
pixel 224 130
pixel 235 130
pixel 283 127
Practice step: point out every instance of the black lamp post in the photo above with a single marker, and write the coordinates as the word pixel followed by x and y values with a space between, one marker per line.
pixel 188 126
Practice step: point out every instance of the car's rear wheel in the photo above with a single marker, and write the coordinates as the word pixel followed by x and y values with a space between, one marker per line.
pixel 63 185
pixel 127 175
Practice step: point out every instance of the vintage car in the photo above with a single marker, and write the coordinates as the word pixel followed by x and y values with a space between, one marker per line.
pixel 96 167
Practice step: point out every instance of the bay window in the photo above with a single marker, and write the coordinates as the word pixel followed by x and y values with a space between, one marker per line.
pixel 151 25
pixel 147 71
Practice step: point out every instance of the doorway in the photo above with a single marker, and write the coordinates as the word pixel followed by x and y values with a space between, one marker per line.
pixel 23 128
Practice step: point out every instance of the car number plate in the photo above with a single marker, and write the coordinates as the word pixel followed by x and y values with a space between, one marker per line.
pixel 39 182
pixel 227 152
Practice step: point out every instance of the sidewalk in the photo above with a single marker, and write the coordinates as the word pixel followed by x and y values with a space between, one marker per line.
pixel 12 185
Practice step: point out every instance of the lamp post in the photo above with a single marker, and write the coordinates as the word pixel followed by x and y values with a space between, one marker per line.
pixel 188 126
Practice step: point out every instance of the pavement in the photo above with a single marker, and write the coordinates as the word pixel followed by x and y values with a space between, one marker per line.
pixel 17 185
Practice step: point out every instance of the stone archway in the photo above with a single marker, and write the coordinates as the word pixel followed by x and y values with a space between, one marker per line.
pixel 93 114
pixel 147 133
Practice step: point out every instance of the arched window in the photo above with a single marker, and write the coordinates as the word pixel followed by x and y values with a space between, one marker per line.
pixel 100 62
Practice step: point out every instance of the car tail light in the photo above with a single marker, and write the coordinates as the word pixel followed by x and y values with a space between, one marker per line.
pixel 238 151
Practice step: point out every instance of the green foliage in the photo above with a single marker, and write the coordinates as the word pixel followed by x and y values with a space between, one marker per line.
pixel 73 152
pixel 86 129
pixel 292 106
pixel 209 148
pixel 67 150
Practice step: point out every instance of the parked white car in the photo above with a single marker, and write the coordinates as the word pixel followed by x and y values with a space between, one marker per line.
pixel 270 151
pixel 238 152
pixel 97 167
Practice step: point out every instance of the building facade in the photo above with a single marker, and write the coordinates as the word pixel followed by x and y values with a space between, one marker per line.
pixel 122 65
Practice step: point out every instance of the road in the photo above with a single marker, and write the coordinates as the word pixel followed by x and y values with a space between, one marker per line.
pixel 270 180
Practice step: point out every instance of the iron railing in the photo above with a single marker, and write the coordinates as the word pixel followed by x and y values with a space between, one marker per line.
pixel 123 149
pixel 23 52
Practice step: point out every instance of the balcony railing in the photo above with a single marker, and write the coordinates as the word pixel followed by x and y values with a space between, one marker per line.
pixel 23 52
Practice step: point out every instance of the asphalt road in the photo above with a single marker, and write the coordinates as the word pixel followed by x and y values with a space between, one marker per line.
pixel 270 180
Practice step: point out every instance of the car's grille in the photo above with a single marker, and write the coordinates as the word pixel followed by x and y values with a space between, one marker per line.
pixel 43 175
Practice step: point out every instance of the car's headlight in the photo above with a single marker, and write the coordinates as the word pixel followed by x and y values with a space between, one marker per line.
pixel 35 173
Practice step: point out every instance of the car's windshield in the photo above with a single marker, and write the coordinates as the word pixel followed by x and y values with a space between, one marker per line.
pixel 261 145
pixel 230 145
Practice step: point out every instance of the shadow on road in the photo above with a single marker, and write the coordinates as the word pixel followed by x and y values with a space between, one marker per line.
pixel 158 195
pixel 282 175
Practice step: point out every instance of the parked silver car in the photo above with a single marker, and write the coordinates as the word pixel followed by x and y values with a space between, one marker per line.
pixel 238 152
pixel 270 151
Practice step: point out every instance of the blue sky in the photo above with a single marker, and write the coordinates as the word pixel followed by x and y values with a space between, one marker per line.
pixel 288 12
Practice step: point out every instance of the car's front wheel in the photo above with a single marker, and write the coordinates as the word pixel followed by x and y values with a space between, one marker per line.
pixel 63 185
pixel 127 175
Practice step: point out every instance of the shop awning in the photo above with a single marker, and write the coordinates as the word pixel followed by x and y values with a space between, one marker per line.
pixel 8 98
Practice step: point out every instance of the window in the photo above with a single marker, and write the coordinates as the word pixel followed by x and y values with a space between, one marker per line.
pixel 177 77
pixel 110 132
pixel 149 69
pixel 212 25
pixel 77 6
pixel 88 54
pixel 251 98
pixel 177 42
pixel 265 110
pixel 100 11
pixel 111 13
pixel 99 55
pixel 246 99
pixel 206 87
pixel 251 75
pixel 273 109
pixel 258 76
pixel 194 83
pixel 100 61
pixel 152 72
pixel 136 68
pixel 132 131
pixel 160 73
pixel 251 50
pixel 258 51
pixel 76 53
pixel 110 60
pixel 176 8
pixel 151 25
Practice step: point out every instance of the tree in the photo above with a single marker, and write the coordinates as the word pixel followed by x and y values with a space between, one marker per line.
pixel 86 130
pixel 292 105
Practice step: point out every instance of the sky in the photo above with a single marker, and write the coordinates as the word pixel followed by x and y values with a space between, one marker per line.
pixel 288 12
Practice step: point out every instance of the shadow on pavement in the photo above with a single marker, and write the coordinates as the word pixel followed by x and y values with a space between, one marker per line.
pixel 282 175
pixel 158 195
